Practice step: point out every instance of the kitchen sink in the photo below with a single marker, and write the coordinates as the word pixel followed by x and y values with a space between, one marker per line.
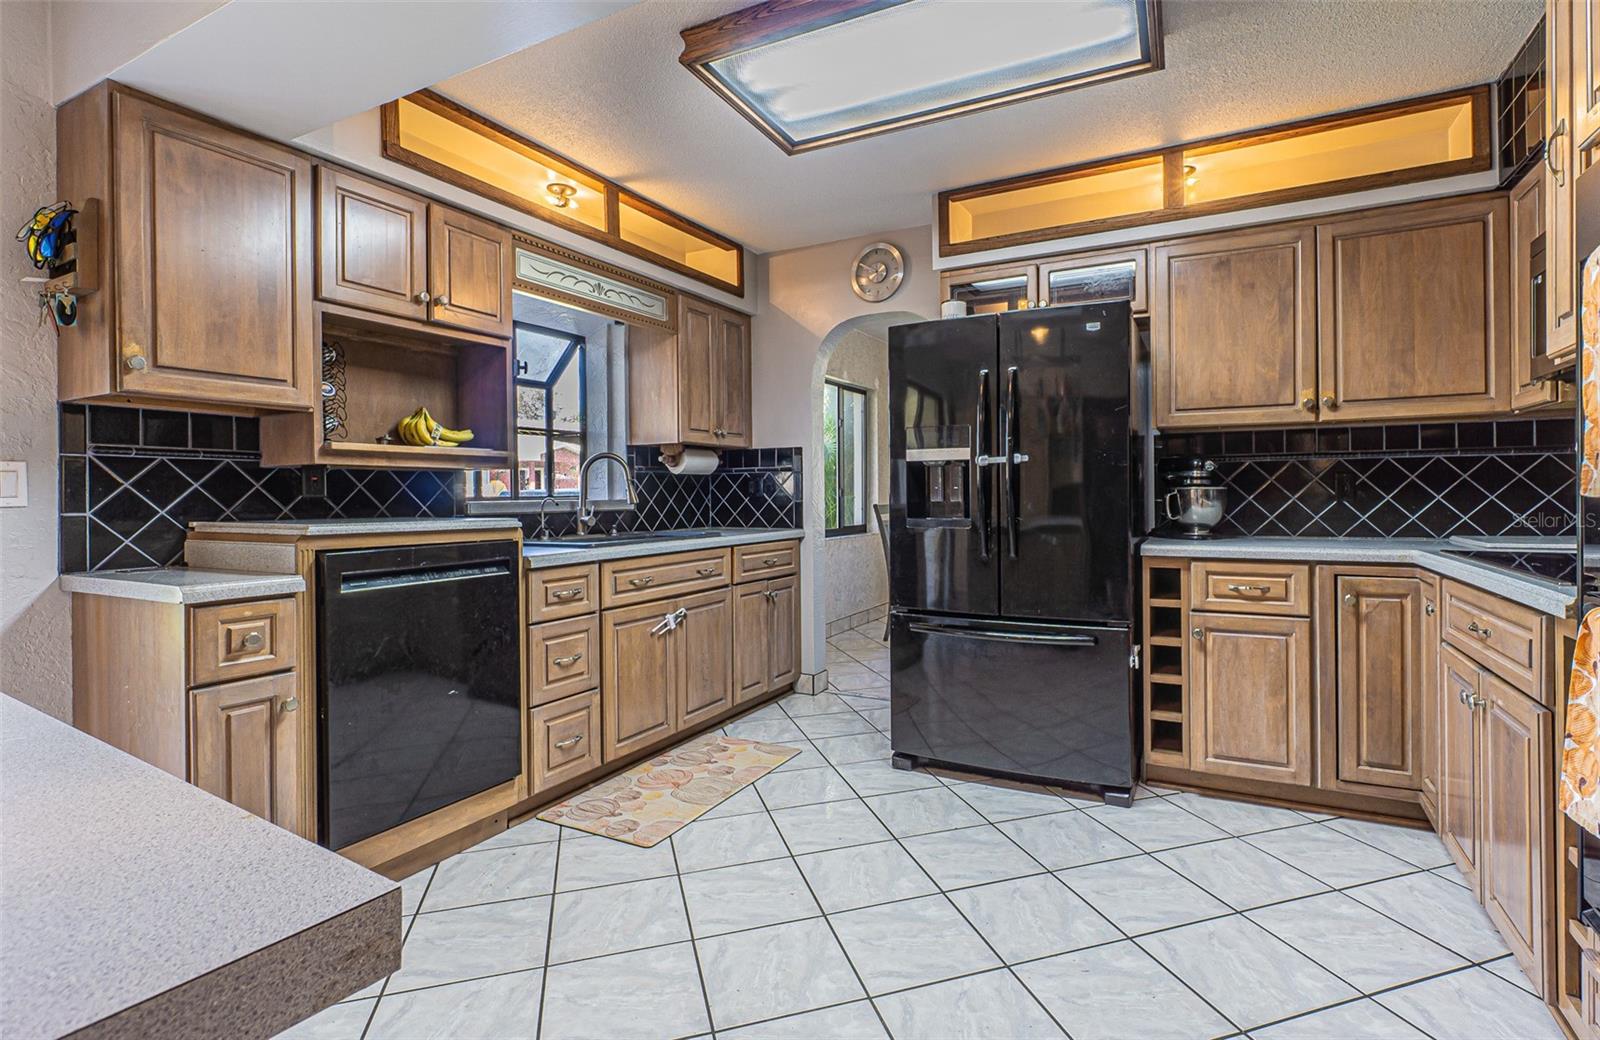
pixel 585 541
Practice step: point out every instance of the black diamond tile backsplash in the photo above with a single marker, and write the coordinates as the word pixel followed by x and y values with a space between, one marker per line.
pixel 133 479
pixel 1433 480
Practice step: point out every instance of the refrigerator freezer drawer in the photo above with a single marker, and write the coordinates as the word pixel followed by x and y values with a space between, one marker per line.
pixel 1050 702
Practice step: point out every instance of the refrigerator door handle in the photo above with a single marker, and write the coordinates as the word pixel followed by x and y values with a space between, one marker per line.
pixel 983 460
pixel 1013 459
pixel 1003 637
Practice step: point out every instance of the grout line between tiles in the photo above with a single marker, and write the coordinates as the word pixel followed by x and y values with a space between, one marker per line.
pixel 549 941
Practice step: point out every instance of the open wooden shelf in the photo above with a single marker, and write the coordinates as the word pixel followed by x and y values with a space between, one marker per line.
pixel 391 368
pixel 1165 656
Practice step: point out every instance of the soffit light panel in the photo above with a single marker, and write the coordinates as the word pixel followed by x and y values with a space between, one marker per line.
pixel 813 73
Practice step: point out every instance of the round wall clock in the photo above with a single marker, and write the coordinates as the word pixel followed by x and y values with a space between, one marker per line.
pixel 877 272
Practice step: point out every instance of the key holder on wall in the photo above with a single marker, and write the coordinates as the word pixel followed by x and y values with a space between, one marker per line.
pixel 63 242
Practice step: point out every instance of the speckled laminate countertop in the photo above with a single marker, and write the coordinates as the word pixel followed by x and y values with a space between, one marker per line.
pixel 554 554
pixel 324 528
pixel 136 903
pixel 1551 597
pixel 182 585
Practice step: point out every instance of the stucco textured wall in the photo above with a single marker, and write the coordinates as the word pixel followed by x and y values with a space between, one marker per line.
pixel 35 623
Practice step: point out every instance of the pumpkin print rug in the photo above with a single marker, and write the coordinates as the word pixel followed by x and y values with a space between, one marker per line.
pixel 663 794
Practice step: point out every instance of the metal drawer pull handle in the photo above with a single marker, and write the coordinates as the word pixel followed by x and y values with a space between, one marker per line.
pixel 1250 588
pixel 568 661
pixel 705 572
pixel 253 641
pixel 562 745
pixel 1478 630
pixel 770 561
pixel 292 704
pixel 566 593
pixel 640 583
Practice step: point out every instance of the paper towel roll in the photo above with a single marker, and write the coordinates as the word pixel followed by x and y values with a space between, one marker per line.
pixel 694 461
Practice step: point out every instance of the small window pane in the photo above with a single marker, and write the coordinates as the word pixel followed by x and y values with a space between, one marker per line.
pixel 566 411
pixel 531 448
pixel 539 352
pixel 568 457
pixel 830 455
pixel 845 461
pixel 531 406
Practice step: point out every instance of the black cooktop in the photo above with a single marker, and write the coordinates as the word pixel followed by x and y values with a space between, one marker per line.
pixel 1558 565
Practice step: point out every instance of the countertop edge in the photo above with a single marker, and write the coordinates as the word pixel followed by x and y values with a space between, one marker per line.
pixel 180 585
pixel 1547 597
pixel 331 528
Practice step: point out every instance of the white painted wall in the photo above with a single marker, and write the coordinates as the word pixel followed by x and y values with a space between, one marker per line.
pixel 91 39
pixel 35 624
pixel 853 566
pixel 805 306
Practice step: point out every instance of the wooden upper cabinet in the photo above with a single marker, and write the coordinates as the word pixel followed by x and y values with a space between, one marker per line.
pixel 1233 329
pixel 1585 44
pixel 1379 675
pixel 1529 288
pixel 246 746
pixel 372 245
pixel 469 272
pixel 699 395
pixel 1567 51
pixel 1458 760
pixel 1252 696
pixel 1515 774
pixel 1412 312
pixel 732 378
pixel 212 232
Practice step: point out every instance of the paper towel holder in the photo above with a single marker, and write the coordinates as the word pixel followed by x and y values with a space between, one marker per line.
pixel 672 455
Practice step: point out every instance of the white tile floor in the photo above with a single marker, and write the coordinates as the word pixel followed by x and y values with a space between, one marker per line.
pixel 839 897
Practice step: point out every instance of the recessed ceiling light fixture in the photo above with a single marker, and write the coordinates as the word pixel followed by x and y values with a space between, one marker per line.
pixel 813 73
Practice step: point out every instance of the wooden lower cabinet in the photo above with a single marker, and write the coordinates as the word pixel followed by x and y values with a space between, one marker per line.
pixel 564 740
pixel 766 625
pixel 1516 816
pixel 1458 760
pixel 1428 727
pixel 705 657
pixel 245 746
pixel 1252 695
pixel 638 678
pixel 1379 676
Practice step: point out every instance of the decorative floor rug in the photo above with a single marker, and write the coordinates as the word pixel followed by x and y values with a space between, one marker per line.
pixel 663 794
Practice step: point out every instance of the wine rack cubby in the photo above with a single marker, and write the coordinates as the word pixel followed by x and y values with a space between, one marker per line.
pixel 1166 620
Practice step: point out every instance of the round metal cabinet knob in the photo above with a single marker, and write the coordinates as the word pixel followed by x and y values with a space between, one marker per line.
pixel 423 297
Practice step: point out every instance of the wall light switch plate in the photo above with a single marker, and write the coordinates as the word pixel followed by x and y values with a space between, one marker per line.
pixel 13 484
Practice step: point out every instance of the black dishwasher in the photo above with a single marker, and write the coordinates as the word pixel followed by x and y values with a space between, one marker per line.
pixel 417 679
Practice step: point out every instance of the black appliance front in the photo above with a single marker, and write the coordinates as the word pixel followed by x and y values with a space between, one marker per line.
pixel 1011 493
pixel 1065 496
pixel 417 677
pixel 1024 699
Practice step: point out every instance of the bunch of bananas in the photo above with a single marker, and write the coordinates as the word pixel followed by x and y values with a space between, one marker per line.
pixel 422 430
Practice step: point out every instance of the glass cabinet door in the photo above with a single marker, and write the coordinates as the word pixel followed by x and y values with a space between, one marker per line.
pixel 1096 278
pixel 990 290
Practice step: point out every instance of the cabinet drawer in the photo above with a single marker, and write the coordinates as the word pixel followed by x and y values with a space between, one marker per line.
pixel 563 592
pixel 563 658
pixel 564 736
pixel 654 577
pixel 1251 588
pixel 238 640
pixel 1501 636
pixel 767 560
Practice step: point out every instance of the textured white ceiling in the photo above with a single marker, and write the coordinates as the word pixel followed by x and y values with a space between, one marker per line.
pixel 612 95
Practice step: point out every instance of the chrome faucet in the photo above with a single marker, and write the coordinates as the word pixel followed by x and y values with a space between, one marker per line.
pixel 585 518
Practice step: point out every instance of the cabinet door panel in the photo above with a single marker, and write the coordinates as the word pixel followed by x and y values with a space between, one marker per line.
pixel 1233 334
pixel 752 653
pixel 697 372
pixel 1585 71
pixel 1251 688
pixel 372 245
pixel 1432 706
pixel 1458 760
pixel 784 632
pixel 1412 312
pixel 1379 677
pixel 245 746
pixel 705 649
pixel 638 678
pixel 469 272
pixel 213 240
pixel 1516 781
pixel 733 379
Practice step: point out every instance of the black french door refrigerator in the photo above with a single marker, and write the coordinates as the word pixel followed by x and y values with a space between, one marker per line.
pixel 1011 641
